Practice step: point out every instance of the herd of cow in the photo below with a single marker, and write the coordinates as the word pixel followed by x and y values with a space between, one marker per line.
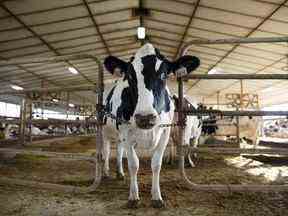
pixel 140 102
pixel 11 131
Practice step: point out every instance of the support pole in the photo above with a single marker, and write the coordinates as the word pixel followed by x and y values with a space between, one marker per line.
pixel 30 106
pixel 22 122
pixel 181 132
pixel 241 95
pixel 67 109
pixel 218 99
pixel 238 129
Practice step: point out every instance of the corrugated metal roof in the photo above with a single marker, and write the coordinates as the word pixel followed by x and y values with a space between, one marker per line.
pixel 34 28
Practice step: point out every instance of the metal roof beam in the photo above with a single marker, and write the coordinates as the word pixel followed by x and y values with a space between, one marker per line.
pixel 187 28
pixel 96 26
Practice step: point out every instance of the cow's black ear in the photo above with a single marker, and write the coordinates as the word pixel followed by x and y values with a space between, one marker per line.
pixel 185 64
pixel 114 65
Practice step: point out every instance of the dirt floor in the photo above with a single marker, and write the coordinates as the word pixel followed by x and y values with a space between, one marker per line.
pixel 111 197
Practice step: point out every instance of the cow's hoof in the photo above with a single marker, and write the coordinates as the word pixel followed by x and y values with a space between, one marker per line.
pixel 120 176
pixel 158 204
pixel 133 204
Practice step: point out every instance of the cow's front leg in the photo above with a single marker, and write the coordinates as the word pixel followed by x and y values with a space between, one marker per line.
pixel 106 156
pixel 156 162
pixel 133 165
pixel 120 151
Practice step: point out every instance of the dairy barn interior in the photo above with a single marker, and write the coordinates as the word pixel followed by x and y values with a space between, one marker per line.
pixel 105 102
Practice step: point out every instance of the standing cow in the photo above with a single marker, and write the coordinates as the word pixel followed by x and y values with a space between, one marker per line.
pixel 140 103
pixel 192 129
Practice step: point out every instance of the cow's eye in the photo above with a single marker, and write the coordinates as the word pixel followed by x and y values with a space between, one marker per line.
pixel 163 76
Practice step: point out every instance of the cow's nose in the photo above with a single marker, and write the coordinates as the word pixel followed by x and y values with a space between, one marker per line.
pixel 145 121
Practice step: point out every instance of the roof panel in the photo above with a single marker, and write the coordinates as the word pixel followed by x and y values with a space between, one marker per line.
pixel 76 42
pixel 169 6
pixel 207 34
pixel 28 6
pixel 121 41
pixel 259 53
pixel 24 51
pixel 20 43
pixel 164 26
pixel 106 6
pixel 54 15
pixel 158 33
pixel 81 48
pixel 9 23
pixel 281 14
pixel 173 18
pixel 3 13
pixel 70 34
pixel 273 26
pixel 15 34
pixel 249 7
pixel 62 26
pixel 256 60
pixel 114 16
pixel 279 48
pixel 118 34
pixel 119 26
pixel 226 17
pixel 219 27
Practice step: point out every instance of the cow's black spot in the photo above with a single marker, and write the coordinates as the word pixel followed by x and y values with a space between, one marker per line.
pixel 129 97
pixel 155 81
pixel 108 105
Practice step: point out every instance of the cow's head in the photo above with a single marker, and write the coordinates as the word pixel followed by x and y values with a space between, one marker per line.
pixel 146 74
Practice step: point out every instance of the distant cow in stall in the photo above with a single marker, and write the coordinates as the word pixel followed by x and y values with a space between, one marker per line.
pixel 193 128
pixel 249 131
pixel 139 103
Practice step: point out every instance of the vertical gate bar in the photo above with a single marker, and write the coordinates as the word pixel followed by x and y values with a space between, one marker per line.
pixel 218 99
pixel 66 110
pixel 99 127
pixel 181 119
pixel 241 95
pixel 238 129
pixel 22 121
pixel 30 120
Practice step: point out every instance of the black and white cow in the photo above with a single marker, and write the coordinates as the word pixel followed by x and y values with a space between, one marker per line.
pixel 142 99
pixel 193 126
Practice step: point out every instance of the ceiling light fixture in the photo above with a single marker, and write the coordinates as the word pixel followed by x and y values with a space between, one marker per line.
pixel 16 87
pixel 71 105
pixel 73 70
pixel 141 32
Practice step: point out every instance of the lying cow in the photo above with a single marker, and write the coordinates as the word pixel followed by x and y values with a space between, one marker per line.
pixel 249 130
pixel 139 104
pixel 193 128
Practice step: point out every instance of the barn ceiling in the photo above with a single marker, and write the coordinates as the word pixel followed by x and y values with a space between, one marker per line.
pixel 33 28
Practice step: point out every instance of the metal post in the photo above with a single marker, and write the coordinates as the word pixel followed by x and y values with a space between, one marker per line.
pixel 30 104
pixel 67 108
pixel 181 132
pixel 241 95
pixel 99 162
pixel 218 99
pixel 22 122
pixel 238 129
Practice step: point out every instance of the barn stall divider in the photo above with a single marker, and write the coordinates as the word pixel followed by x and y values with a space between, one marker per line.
pixel 183 150
pixel 97 159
